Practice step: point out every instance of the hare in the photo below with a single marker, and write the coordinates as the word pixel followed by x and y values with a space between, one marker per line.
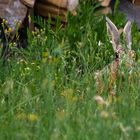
pixel 123 58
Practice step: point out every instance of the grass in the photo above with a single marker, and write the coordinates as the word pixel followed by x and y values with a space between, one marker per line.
pixel 47 91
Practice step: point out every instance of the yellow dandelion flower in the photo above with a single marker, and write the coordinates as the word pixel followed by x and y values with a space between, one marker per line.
pixel 69 95
pixel 29 117
pixel 32 117
pixel 9 30
pixel 67 91
pixel 45 54
pixel 60 114
pixel 104 114
pixel 44 60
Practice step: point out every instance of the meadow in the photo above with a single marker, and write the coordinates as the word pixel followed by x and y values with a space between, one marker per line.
pixel 48 90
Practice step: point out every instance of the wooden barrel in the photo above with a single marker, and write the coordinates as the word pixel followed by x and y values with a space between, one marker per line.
pixel 55 8
pixel 137 2
pixel 49 10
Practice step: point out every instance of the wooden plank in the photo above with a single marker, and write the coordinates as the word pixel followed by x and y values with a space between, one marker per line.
pixel 29 3
pixel 70 5
pixel 137 2
pixel 48 10
pixel 104 3
pixel 58 3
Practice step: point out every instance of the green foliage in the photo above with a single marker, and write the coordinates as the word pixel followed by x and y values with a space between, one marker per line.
pixel 48 91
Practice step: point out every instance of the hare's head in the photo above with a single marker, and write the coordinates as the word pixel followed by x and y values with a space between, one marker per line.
pixel 120 50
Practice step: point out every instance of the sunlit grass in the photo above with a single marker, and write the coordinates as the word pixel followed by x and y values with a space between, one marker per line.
pixel 48 91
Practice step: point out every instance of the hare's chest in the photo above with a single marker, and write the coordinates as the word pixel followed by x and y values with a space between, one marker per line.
pixel 105 78
pixel 126 64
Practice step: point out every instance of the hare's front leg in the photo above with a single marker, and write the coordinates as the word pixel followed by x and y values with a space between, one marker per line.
pixel 106 79
pixel 113 75
pixel 99 82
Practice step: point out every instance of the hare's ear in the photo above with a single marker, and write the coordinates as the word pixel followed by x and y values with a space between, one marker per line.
pixel 127 34
pixel 113 33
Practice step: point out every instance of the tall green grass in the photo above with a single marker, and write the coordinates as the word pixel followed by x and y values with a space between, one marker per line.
pixel 47 91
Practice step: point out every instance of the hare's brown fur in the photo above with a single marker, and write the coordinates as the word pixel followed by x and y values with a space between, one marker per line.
pixel 123 57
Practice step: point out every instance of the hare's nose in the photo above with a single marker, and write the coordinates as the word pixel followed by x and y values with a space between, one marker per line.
pixel 120 50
